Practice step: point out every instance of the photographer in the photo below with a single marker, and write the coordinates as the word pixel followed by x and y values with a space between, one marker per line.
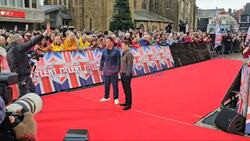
pixel 18 60
pixel 18 127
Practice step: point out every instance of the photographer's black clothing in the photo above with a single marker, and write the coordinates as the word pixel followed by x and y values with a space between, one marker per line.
pixel 6 131
pixel 25 85
pixel 169 28
pixel 18 62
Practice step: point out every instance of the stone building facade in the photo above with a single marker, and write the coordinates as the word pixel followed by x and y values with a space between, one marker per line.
pixel 245 18
pixel 176 10
pixel 149 14
pixel 20 13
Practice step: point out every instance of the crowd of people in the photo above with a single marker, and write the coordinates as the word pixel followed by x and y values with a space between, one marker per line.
pixel 77 40
pixel 71 40
pixel 232 42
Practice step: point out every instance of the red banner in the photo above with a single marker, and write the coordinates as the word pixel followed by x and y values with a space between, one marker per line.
pixel 12 14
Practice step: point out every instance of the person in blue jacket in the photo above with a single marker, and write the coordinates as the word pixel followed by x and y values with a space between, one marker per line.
pixel 110 65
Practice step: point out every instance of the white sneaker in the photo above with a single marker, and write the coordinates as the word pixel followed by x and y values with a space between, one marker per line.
pixel 104 99
pixel 117 101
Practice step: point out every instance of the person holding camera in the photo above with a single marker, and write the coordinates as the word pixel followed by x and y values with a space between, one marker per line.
pixel 18 60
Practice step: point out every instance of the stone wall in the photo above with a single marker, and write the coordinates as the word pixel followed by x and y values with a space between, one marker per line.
pixel 96 14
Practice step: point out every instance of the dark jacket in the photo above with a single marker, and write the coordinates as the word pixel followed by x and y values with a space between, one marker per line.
pixel 127 63
pixel 17 57
pixel 110 61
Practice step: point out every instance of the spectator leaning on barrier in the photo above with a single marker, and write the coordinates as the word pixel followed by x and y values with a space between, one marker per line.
pixel 71 43
pixel 145 41
pixel 84 43
pixel 51 39
pixel 135 43
pixel 57 45
pixel 43 46
pixel 94 44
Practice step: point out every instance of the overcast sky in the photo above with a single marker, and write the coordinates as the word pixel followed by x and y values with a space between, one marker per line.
pixel 211 4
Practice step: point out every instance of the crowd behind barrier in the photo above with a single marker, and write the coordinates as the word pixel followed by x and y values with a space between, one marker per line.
pixel 58 71
pixel 67 40
pixel 71 58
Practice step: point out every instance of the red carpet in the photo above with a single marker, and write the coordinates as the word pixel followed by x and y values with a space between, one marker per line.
pixel 166 105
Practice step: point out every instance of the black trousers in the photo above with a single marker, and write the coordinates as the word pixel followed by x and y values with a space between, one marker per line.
pixel 126 83
pixel 25 85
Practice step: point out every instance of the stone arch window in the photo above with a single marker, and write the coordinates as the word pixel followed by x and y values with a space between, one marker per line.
pixel 26 3
pixel 167 4
pixel 141 26
pixel 154 27
pixel 156 4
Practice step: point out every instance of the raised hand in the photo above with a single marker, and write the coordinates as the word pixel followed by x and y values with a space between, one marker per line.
pixel 47 31
pixel 48 28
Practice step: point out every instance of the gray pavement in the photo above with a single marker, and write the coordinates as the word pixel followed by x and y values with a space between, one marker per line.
pixel 234 56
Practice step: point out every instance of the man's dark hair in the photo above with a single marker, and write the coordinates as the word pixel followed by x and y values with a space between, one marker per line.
pixel 126 42
pixel 110 38
pixel 100 36
pixel 106 32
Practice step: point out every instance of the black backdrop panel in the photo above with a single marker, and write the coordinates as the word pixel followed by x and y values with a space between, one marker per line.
pixel 185 54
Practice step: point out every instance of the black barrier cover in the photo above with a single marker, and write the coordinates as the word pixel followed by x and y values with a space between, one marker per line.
pixel 190 53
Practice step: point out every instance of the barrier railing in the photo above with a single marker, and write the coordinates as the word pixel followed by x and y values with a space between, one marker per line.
pixel 58 71
pixel 190 53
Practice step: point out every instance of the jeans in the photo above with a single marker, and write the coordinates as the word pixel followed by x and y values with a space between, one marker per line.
pixel 111 79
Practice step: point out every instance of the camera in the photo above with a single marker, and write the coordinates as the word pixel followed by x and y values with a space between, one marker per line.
pixel 29 103
pixel 7 79
pixel 33 57
pixel 36 56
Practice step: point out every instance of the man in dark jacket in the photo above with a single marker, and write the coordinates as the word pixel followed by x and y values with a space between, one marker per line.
pixel 18 60
pixel 127 74
pixel 110 65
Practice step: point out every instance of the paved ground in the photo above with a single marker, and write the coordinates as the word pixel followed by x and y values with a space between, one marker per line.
pixel 235 56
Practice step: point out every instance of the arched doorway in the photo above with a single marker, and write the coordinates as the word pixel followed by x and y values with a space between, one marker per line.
pixel 141 26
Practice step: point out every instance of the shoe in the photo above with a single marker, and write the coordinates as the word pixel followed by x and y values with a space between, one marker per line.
pixel 116 101
pixel 126 108
pixel 104 99
pixel 123 105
